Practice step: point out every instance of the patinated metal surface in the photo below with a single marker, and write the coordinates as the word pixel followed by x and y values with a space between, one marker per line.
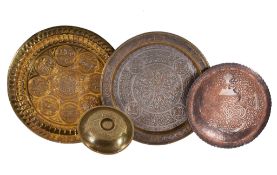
pixel 106 130
pixel 55 77
pixel 229 105
pixel 148 78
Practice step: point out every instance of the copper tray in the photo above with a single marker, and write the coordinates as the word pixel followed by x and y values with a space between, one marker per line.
pixel 228 105
pixel 55 77
pixel 148 78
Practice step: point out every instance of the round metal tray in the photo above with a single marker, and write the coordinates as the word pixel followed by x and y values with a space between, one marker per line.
pixel 148 78
pixel 228 105
pixel 55 77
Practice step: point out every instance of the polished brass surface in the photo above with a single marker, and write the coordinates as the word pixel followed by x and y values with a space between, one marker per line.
pixel 55 77
pixel 228 105
pixel 148 78
pixel 106 130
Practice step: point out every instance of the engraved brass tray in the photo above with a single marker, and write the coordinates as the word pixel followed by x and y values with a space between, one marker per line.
pixel 148 77
pixel 55 77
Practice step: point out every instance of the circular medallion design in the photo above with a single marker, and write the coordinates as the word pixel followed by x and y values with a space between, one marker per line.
pixel 48 106
pixel 70 113
pixel 65 55
pixel 45 65
pixel 88 62
pixel 38 86
pixel 66 84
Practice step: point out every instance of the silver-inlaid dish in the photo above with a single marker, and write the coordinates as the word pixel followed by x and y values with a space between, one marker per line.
pixel 148 77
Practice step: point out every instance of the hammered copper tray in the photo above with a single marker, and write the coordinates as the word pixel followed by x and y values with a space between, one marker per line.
pixel 228 105
pixel 55 77
pixel 148 78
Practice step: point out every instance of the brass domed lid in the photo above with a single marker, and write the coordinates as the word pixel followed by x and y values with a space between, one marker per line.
pixel 106 130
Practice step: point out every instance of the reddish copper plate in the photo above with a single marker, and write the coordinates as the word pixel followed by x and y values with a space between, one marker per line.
pixel 148 78
pixel 228 105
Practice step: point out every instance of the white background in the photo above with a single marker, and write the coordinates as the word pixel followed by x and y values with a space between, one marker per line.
pixel 235 31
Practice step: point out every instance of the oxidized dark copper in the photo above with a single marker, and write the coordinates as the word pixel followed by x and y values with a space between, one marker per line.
pixel 106 130
pixel 148 78
pixel 228 105
pixel 55 77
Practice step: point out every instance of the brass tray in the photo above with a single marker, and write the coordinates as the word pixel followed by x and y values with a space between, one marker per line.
pixel 148 78
pixel 228 105
pixel 55 77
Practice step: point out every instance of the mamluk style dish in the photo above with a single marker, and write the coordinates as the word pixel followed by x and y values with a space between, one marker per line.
pixel 228 105
pixel 55 77
pixel 106 130
pixel 148 78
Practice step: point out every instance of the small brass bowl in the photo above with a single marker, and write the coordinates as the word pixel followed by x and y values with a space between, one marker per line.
pixel 105 130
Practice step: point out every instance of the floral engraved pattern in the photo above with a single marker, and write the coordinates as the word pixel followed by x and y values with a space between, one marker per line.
pixel 238 103
pixel 151 85
pixel 157 88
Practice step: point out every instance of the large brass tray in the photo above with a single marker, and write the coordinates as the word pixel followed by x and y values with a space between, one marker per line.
pixel 55 77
